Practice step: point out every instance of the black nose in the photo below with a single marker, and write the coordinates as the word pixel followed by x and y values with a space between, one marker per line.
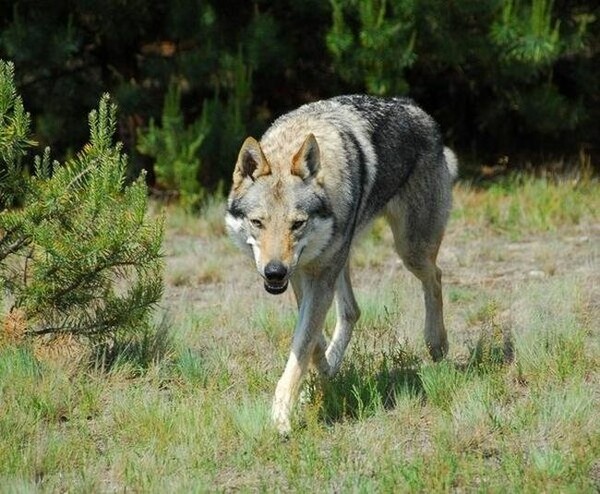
pixel 275 271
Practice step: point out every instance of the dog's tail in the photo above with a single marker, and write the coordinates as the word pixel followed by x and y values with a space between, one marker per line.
pixel 451 162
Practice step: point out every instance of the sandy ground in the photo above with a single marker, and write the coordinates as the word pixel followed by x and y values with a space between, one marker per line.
pixel 206 272
pixel 210 280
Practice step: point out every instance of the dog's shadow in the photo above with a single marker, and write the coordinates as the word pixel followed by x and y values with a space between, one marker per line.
pixel 368 383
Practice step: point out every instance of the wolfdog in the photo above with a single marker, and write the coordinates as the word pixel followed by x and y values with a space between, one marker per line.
pixel 318 177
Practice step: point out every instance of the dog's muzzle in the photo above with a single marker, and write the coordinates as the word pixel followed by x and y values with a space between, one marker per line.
pixel 276 278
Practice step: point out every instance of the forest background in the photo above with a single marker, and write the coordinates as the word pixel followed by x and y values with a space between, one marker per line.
pixel 510 82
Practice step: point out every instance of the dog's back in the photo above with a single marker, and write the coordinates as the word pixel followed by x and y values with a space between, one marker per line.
pixel 372 150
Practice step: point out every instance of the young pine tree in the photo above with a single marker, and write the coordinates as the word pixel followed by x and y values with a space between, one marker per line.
pixel 79 254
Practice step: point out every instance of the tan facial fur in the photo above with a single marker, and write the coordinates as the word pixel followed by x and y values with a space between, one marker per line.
pixel 275 224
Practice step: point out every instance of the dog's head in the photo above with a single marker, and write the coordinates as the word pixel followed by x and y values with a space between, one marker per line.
pixel 278 210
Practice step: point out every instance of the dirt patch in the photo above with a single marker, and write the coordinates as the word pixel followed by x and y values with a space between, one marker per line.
pixel 495 259
pixel 208 273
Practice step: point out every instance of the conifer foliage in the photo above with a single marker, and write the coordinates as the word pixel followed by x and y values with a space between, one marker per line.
pixel 79 254
pixel 506 74
pixel 515 78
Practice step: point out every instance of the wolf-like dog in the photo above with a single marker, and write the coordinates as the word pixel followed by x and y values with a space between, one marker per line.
pixel 318 177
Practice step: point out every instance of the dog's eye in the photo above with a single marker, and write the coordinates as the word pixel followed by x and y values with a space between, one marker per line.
pixel 296 225
pixel 256 223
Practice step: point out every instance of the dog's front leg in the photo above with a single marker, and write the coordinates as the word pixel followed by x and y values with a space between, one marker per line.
pixel 317 296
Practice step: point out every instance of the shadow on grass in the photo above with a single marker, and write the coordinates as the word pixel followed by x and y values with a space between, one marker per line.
pixel 368 383
pixel 365 384
pixel 135 352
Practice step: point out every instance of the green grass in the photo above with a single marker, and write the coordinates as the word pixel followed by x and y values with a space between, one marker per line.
pixel 519 205
pixel 514 408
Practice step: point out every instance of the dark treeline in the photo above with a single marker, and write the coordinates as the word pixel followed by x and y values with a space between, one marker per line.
pixel 513 78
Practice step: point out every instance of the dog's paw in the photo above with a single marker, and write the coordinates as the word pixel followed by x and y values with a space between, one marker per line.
pixel 281 420
pixel 439 351
pixel 284 427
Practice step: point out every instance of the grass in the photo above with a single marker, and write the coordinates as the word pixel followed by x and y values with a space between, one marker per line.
pixel 519 205
pixel 513 408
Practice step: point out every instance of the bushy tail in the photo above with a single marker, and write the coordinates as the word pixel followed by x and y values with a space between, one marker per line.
pixel 451 162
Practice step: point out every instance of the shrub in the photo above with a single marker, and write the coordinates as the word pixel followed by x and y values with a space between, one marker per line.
pixel 502 75
pixel 79 255
pixel 185 156
pixel 175 148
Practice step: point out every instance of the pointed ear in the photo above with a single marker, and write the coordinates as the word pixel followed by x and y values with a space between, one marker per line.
pixel 251 162
pixel 307 160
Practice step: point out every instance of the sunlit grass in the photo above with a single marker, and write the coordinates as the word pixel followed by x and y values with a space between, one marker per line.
pixel 187 409
pixel 521 205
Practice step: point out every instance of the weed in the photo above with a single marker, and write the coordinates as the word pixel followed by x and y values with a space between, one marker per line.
pixel 366 384
pixel 191 368
pixel 441 383
pixel 137 353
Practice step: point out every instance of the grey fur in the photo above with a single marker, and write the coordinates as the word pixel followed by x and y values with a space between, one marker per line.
pixel 368 156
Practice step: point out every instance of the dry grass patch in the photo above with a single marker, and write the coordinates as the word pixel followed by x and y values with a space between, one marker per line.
pixel 513 408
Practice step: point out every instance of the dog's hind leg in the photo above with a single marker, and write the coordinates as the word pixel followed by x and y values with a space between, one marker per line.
pixel 431 278
pixel 418 249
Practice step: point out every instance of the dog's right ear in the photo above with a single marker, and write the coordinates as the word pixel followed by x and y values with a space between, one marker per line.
pixel 251 162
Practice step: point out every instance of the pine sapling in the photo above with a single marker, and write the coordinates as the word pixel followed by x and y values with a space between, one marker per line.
pixel 81 255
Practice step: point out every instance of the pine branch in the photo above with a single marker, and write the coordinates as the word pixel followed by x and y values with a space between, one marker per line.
pixel 85 231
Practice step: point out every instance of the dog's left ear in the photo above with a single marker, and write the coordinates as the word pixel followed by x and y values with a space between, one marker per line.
pixel 307 161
